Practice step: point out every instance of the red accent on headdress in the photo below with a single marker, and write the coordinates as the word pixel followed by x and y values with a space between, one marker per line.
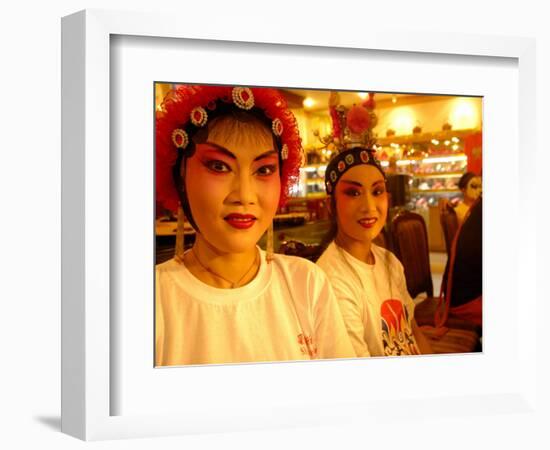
pixel 358 119
pixel 336 129
pixel 175 113
pixel 369 103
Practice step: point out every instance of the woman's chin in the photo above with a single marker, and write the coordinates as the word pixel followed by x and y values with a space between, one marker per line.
pixel 235 245
pixel 368 235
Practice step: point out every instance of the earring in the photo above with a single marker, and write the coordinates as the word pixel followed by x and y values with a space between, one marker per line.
pixel 180 236
pixel 269 245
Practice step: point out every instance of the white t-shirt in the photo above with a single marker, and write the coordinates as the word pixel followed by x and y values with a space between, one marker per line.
pixel 287 312
pixel 376 306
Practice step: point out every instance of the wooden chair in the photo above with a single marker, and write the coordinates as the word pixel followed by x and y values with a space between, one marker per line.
pixel 449 222
pixel 410 244
pixel 381 240
pixel 297 248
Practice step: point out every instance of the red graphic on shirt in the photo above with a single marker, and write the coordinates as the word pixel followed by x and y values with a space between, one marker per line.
pixel 307 346
pixel 397 336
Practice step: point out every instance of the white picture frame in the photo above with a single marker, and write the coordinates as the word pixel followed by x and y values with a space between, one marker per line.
pixel 88 183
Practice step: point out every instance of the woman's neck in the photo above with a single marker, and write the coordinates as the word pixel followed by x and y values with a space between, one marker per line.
pixel 221 269
pixel 468 201
pixel 360 250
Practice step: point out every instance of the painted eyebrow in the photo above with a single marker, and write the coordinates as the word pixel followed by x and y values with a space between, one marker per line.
pixel 221 150
pixel 266 154
pixel 232 156
pixel 353 183
pixel 356 183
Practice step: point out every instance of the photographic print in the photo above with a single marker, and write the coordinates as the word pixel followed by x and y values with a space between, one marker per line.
pixel 296 224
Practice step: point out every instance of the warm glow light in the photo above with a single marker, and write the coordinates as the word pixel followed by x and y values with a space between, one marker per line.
pixel 313 169
pixel 384 163
pixel 455 147
pixel 402 120
pixel 403 162
pixel 455 139
pixel 441 159
pixel 393 99
pixel 363 95
pixel 445 159
pixel 465 113
pixel 308 102
pixel 435 142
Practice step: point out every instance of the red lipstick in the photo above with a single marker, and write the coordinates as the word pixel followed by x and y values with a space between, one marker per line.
pixel 240 221
pixel 367 222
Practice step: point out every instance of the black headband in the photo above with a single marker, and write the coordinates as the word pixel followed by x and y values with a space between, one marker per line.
pixel 344 161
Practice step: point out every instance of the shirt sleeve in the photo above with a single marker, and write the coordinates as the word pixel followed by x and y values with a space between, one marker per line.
pixel 330 331
pixel 159 323
pixel 351 308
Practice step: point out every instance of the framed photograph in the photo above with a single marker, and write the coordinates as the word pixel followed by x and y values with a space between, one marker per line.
pixel 113 65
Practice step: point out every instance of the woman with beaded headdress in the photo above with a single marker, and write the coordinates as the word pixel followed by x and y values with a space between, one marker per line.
pixel 225 159
pixel 368 280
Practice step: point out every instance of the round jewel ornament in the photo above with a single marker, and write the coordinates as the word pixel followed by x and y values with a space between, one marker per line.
pixel 199 116
pixel 284 152
pixel 243 98
pixel 277 127
pixel 180 138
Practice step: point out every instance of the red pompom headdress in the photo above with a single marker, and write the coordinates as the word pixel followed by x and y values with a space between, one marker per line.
pixel 353 138
pixel 187 109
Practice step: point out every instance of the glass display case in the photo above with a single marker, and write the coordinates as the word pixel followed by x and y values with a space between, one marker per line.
pixel 436 161
pixel 312 181
pixel 435 178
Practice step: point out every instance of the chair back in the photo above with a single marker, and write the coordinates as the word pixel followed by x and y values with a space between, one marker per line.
pixel 297 248
pixel 449 222
pixel 410 245
pixel 381 240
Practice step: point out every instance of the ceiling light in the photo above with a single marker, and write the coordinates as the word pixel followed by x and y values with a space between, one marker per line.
pixel 308 102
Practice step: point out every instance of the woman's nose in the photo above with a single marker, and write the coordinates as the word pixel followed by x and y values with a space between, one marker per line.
pixel 368 205
pixel 243 189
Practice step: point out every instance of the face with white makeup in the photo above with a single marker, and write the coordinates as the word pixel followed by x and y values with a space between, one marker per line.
pixel 472 190
pixel 361 205
pixel 470 185
pixel 232 183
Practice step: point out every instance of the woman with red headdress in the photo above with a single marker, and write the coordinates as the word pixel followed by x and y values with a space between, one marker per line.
pixel 368 280
pixel 226 158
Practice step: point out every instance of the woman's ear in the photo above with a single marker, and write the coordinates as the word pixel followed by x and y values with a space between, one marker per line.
pixel 328 204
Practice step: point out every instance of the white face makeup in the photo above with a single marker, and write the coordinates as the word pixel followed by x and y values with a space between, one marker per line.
pixel 361 203
pixel 473 189
pixel 233 187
